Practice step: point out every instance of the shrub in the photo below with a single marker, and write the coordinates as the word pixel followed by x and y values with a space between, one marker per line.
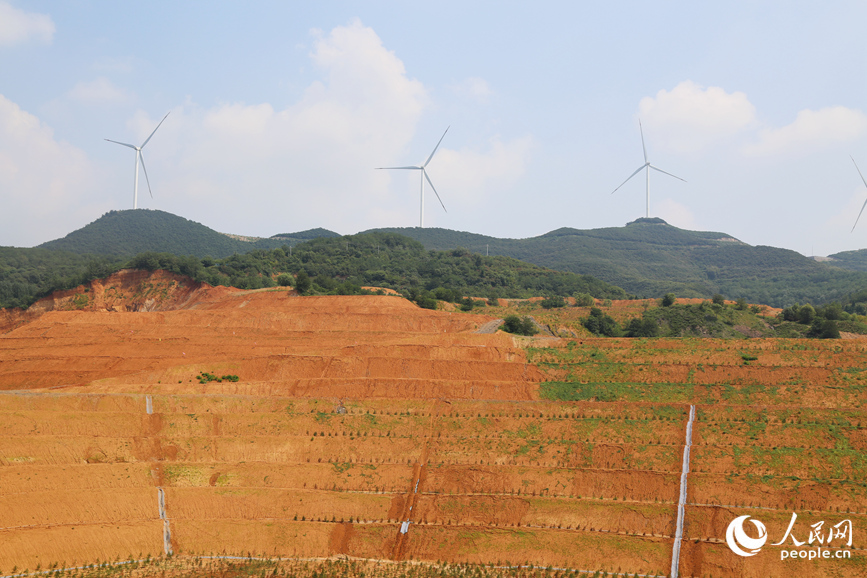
pixel 302 282
pixel 598 323
pixel 668 299
pixel 719 299
pixel 284 280
pixel 552 302
pixel 644 327
pixel 584 300
pixel 519 325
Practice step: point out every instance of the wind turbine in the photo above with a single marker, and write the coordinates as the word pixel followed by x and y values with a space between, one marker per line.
pixel 424 178
pixel 139 157
pixel 646 166
pixel 865 184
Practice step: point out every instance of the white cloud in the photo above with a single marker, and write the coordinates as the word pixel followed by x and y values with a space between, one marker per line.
pixel 474 88
pixel 471 175
pixel 18 26
pixel 99 91
pixel 42 179
pixel 691 117
pixel 675 214
pixel 319 153
pixel 812 130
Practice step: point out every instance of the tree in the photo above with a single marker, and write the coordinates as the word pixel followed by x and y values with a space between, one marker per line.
pixel 719 299
pixel 302 282
pixel 644 327
pixel 806 314
pixel 584 300
pixel 668 299
pixel 601 324
pixel 519 325
pixel 284 280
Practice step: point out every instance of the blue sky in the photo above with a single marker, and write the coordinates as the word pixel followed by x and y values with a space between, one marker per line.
pixel 281 110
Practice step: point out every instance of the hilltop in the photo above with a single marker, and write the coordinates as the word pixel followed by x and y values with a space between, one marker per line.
pixel 127 233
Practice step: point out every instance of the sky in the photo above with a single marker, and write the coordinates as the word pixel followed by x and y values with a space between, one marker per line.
pixel 279 112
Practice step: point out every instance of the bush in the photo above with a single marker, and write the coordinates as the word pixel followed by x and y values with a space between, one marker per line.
pixel 302 282
pixel 806 314
pixel 284 280
pixel 718 299
pixel 584 300
pixel 826 329
pixel 741 304
pixel 644 327
pixel 601 324
pixel 552 302
pixel 519 325
pixel 668 299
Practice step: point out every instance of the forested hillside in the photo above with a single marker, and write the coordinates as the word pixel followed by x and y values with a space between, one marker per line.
pixel 127 233
pixel 649 258
pixel 338 265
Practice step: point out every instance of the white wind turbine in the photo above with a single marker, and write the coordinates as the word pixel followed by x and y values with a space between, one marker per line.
pixel 423 178
pixel 646 166
pixel 139 157
pixel 865 184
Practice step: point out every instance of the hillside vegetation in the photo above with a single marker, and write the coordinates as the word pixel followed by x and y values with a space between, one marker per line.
pixel 649 258
pixel 335 265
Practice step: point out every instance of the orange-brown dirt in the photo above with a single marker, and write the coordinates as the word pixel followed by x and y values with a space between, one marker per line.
pixel 352 415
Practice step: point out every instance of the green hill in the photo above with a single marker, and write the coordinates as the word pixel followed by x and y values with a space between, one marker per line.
pixel 127 233
pixel 851 260
pixel 649 257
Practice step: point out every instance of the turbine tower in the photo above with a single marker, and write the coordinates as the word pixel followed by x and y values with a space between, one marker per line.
pixel 424 178
pixel 865 184
pixel 646 166
pixel 139 157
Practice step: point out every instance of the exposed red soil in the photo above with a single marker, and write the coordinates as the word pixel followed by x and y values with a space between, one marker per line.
pixel 352 415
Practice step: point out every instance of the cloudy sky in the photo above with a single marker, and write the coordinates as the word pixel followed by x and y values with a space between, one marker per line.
pixel 279 112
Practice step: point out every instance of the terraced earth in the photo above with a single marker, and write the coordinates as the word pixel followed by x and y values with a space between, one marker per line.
pixel 368 429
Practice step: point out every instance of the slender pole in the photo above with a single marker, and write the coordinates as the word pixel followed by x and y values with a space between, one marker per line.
pixel 135 188
pixel 421 211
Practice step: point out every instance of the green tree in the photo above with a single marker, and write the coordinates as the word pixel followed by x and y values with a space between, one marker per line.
pixel 302 282
pixel 284 280
pixel 598 323
pixel 668 299
pixel 719 299
pixel 519 325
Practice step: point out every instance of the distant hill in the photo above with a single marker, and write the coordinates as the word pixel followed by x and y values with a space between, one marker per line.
pixel 306 235
pixel 649 257
pixel 852 260
pixel 127 233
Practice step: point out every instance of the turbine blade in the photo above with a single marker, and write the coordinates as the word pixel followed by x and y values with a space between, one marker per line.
pixel 397 168
pixel 424 172
pixel 141 158
pixel 865 184
pixel 638 170
pixel 643 148
pixel 122 143
pixel 859 215
pixel 155 130
pixel 859 172
pixel 435 149
pixel 662 171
